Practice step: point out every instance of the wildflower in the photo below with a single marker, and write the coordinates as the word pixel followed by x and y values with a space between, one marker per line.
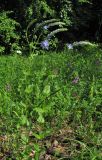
pixel 75 81
pixel 19 52
pixel 70 46
pixel 45 27
pixel 45 44
pixel 83 43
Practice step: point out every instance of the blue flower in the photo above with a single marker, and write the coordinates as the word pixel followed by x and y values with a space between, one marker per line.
pixel 45 44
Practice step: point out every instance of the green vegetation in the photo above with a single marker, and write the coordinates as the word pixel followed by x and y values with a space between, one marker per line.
pixel 50 80
pixel 8 37
pixel 20 23
pixel 51 106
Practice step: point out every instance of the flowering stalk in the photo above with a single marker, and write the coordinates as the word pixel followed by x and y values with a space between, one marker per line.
pixel 56 23
pixel 82 43
pixel 46 24
pixel 56 31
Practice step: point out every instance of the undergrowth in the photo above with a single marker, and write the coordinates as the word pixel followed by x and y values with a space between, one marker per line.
pixel 51 106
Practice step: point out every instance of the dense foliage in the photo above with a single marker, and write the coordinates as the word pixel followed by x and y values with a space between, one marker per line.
pixel 79 15
pixel 51 105
pixel 8 35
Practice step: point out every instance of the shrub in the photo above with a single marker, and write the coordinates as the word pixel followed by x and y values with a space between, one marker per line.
pixel 9 38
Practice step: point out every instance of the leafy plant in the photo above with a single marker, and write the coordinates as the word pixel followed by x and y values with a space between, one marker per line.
pixel 8 35
pixel 38 33
pixel 2 49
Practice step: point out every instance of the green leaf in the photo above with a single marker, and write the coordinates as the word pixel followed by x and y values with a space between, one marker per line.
pixel 46 90
pixel 39 110
pixel 29 89
pixel 41 119
pixel 36 147
pixel 38 136
pixel 24 139
pixel 23 120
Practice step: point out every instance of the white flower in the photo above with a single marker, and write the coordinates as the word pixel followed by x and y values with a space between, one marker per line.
pixel 19 52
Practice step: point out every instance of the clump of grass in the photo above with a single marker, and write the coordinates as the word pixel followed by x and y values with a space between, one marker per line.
pixel 51 97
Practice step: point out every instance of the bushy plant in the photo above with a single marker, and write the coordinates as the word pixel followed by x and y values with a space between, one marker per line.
pixel 9 38
pixel 41 33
